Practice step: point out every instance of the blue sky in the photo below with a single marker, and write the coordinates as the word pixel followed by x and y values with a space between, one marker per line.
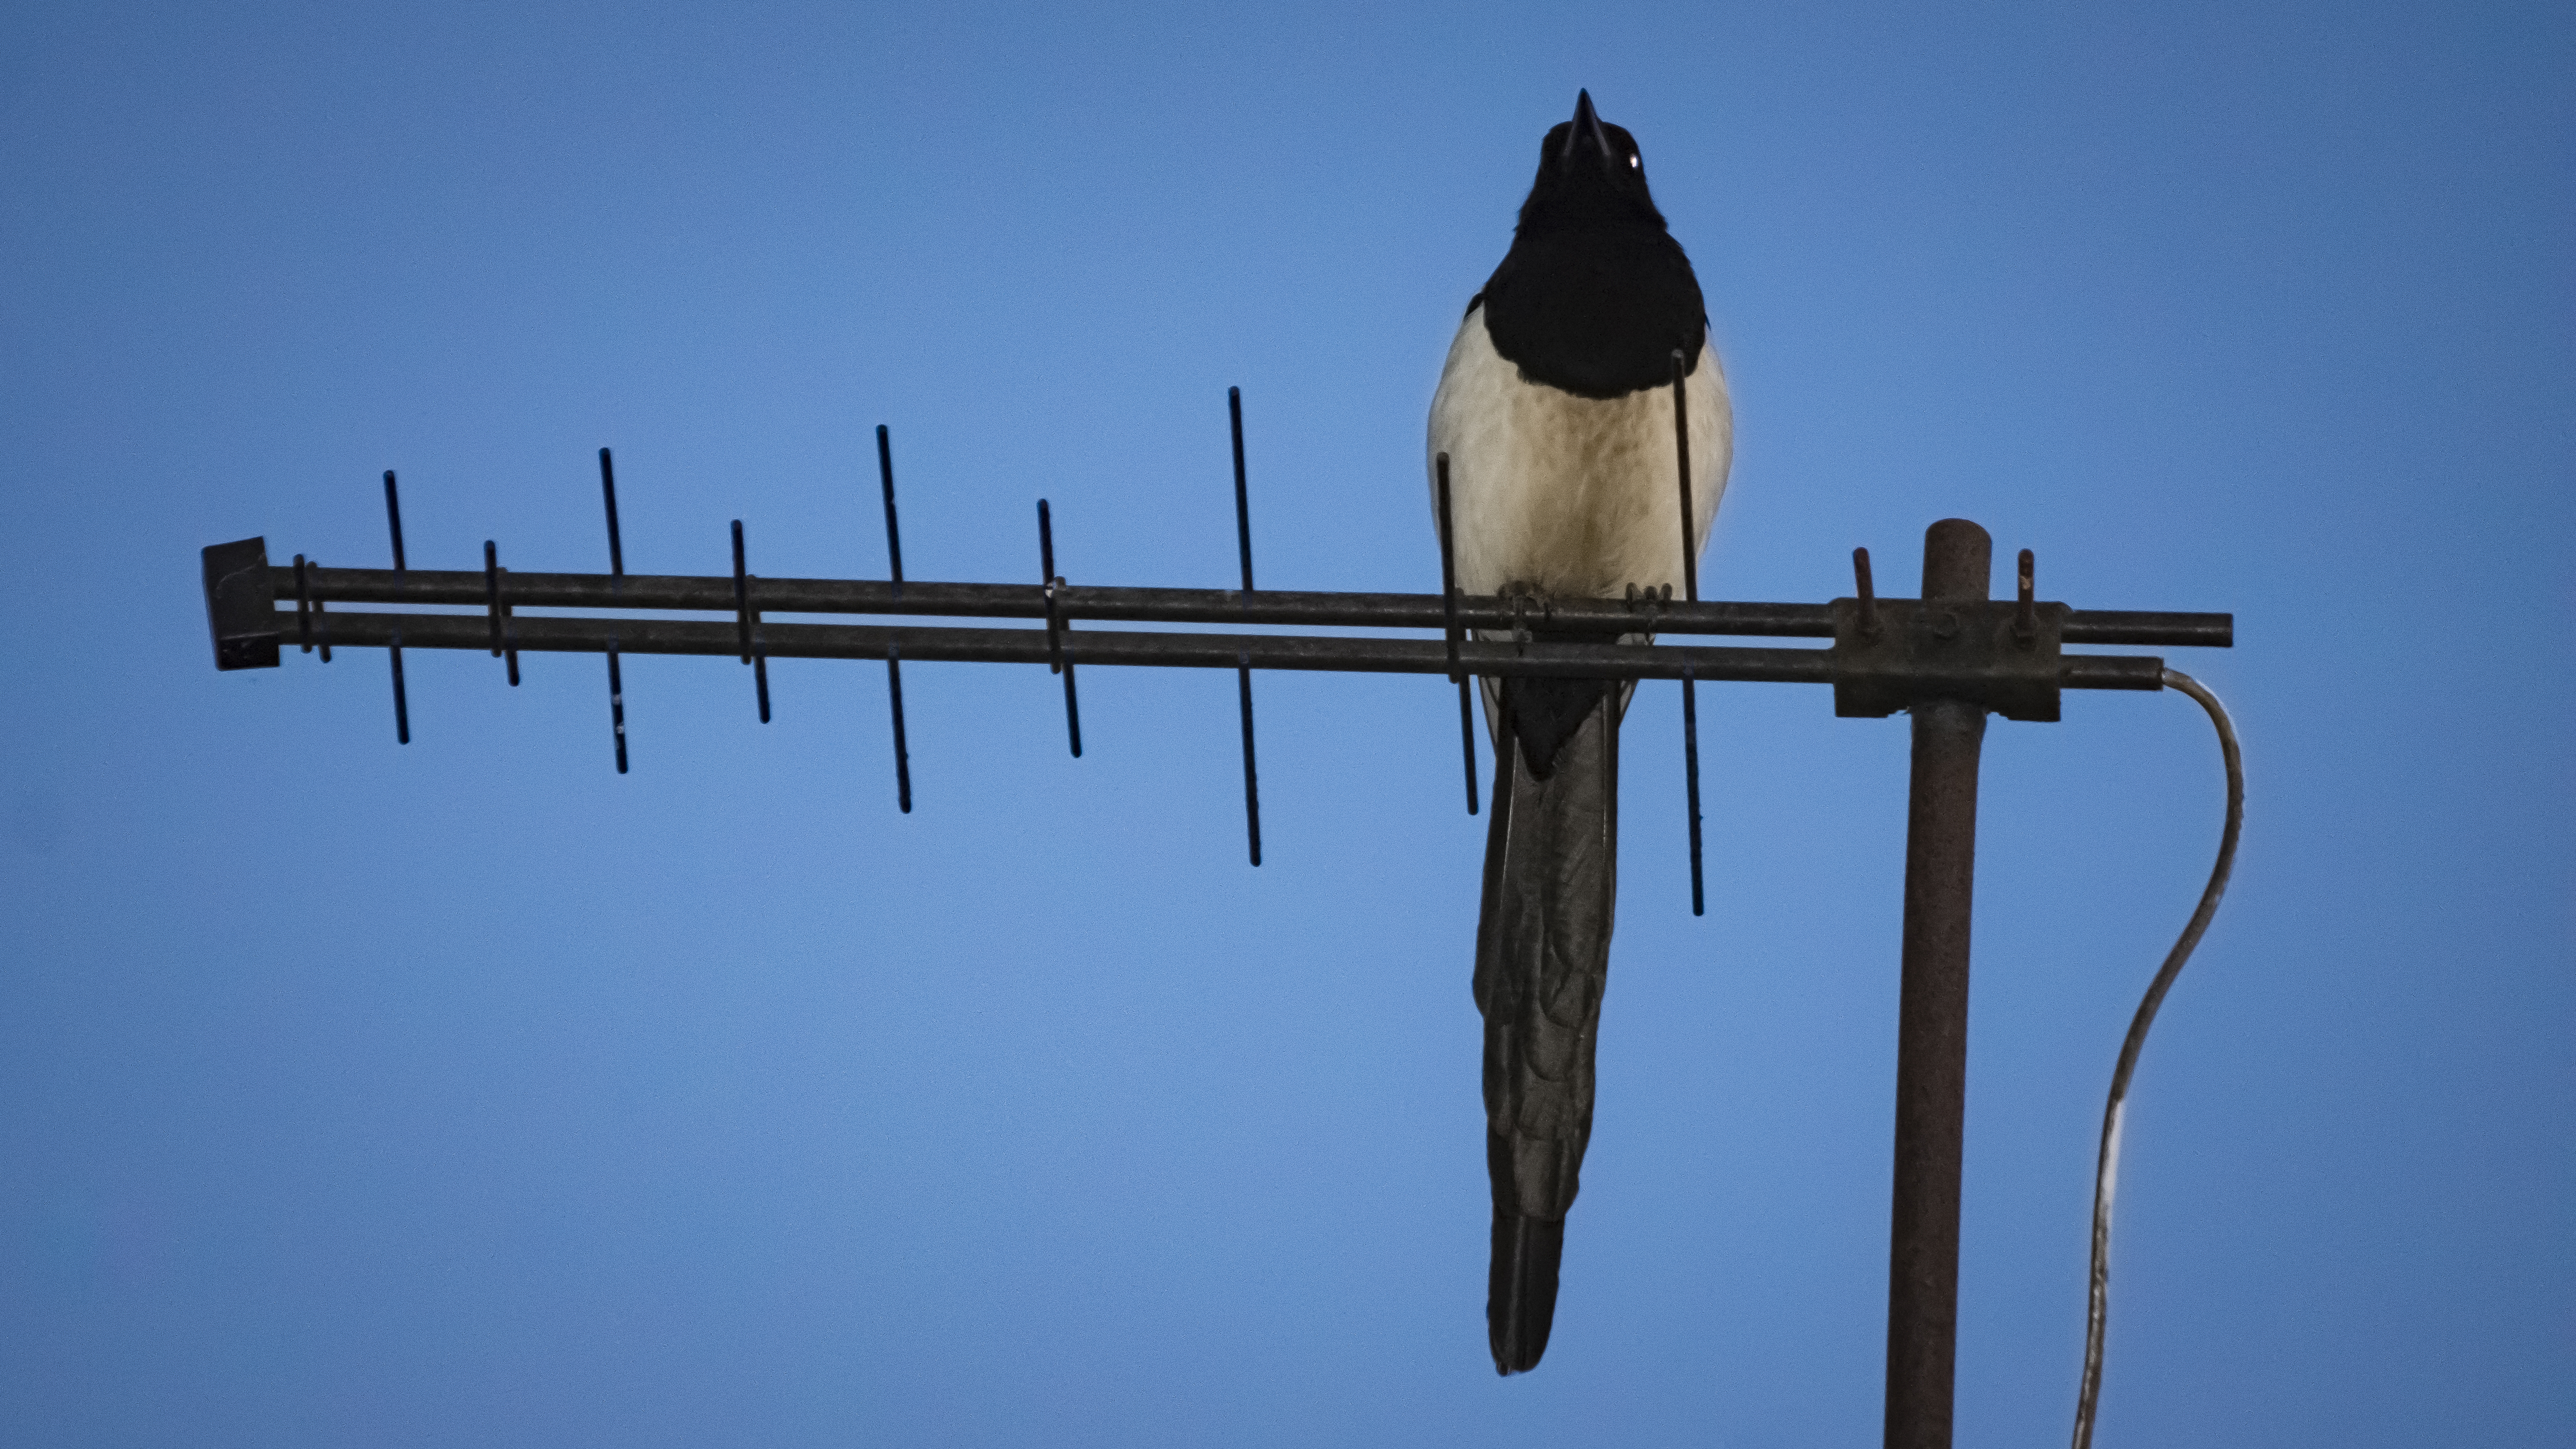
pixel 469 1093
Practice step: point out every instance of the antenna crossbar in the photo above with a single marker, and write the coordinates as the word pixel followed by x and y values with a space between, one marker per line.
pixel 910 597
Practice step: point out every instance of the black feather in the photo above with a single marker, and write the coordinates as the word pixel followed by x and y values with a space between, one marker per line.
pixel 1520 1293
pixel 1595 294
pixel 1545 713
pixel 1542 961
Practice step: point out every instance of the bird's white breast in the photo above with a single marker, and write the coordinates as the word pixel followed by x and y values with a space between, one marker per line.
pixel 1570 495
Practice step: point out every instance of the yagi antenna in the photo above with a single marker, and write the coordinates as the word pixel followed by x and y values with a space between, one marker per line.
pixel 1886 655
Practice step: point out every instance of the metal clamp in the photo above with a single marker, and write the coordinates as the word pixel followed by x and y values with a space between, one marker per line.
pixel 1971 651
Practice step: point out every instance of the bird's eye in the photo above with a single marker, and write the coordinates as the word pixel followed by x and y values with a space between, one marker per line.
pixel 1632 160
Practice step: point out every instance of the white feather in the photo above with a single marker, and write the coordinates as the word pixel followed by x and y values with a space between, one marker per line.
pixel 1569 495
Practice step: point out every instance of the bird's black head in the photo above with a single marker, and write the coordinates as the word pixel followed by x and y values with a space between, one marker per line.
pixel 1589 174
pixel 1595 295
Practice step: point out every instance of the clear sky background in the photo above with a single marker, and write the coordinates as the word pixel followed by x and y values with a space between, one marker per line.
pixel 471 1094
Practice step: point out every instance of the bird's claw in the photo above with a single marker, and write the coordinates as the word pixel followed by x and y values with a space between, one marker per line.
pixel 1521 596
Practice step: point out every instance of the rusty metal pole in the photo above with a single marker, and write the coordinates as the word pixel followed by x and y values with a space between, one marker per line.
pixel 1932 1023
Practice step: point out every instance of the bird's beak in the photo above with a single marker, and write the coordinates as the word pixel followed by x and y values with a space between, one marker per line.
pixel 1586 129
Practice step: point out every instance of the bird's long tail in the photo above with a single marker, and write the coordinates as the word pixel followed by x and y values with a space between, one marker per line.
pixel 1542 956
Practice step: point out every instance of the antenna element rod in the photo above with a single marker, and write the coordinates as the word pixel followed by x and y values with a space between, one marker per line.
pixel 393 651
pixel 1690 594
pixel 1243 671
pixel 894 655
pixel 1056 627
pixel 617 577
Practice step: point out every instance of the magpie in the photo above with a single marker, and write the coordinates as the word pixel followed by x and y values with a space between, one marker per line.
pixel 1555 409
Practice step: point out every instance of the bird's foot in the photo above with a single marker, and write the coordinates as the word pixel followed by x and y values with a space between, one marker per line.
pixel 1521 599
pixel 1651 599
